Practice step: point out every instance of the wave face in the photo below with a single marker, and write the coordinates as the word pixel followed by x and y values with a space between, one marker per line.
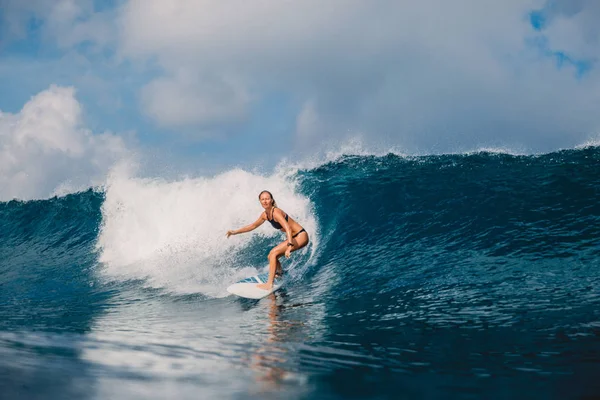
pixel 460 220
pixel 445 276
pixel 46 261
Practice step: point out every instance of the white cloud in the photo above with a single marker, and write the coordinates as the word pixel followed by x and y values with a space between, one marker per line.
pixel 16 13
pixel 434 74
pixel 188 99
pixel 307 123
pixel 572 26
pixel 65 23
pixel 310 128
pixel 44 148
pixel 71 22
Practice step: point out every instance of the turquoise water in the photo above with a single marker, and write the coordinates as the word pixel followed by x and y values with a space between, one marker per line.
pixel 458 276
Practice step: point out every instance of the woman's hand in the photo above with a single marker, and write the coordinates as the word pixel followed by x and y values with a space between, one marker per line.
pixel 230 233
pixel 288 251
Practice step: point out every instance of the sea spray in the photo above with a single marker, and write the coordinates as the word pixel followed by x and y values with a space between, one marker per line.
pixel 172 233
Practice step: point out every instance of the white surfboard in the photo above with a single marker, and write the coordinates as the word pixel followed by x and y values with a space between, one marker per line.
pixel 247 287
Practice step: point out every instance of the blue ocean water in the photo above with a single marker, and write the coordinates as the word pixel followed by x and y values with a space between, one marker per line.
pixel 451 276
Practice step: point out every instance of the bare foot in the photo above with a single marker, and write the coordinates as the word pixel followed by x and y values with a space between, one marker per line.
pixel 265 286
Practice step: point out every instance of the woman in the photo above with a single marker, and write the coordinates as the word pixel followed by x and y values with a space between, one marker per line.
pixel 297 237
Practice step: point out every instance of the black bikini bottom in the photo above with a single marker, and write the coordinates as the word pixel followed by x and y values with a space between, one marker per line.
pixel 301 230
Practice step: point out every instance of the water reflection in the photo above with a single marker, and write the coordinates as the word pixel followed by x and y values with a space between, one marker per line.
pixel 269 360
pixel 273 362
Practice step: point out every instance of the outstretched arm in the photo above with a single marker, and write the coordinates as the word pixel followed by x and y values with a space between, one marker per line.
pixel 248 228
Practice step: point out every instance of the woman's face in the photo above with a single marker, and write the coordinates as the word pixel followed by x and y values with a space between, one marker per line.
pixel 265 200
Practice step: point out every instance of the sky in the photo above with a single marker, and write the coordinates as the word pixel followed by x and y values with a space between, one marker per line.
pixel 202 86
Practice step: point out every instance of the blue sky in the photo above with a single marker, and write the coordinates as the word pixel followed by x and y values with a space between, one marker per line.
pixel 197 86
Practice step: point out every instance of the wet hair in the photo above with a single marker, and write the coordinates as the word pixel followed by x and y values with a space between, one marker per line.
pixel 274 204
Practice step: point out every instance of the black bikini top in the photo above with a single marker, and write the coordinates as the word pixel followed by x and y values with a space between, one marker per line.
pixel 275 224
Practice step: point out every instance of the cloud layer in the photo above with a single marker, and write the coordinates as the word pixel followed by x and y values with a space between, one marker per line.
pixel 432 75
pixel 44 150
pixel 425 77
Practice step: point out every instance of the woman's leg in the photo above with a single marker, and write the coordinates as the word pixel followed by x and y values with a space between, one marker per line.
pixel 274 255
pixel 299 242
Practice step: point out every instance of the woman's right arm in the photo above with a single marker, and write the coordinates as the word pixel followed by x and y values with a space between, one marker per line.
pixel 248 228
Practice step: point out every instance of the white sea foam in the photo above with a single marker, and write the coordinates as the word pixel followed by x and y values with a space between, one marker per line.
pixel 593 141
pixel 497 150
pixel 172 233
pixel 354 146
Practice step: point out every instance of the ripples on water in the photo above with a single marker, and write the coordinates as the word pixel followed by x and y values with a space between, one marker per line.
pixel 462 340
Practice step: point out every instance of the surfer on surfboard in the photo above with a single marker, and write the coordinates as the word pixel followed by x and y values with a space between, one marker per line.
pixel 297 237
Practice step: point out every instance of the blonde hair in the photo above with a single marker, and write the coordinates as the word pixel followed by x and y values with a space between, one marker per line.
pixel 273 202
